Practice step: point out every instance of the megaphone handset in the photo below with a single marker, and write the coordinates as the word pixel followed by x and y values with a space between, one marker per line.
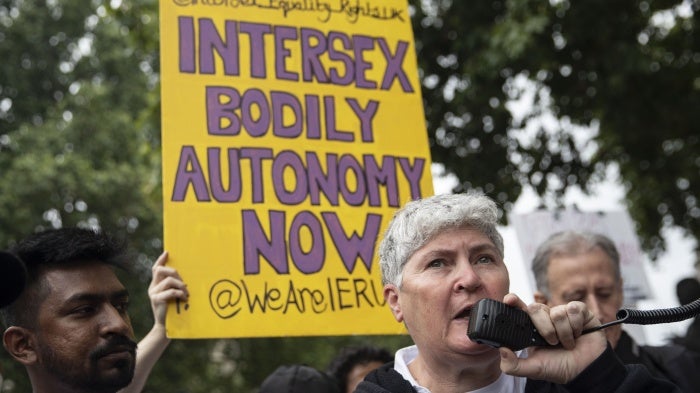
pixel 499 325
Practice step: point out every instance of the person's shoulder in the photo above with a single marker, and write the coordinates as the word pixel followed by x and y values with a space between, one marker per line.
pixel 384 371
pixel 671 352
pixel 384 379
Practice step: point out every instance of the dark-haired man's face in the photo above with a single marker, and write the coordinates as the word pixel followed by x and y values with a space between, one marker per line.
pixel 84 335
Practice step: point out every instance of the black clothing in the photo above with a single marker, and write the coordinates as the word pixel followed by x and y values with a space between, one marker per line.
pixel 298 378
pixel 672 362
pixel 605 374
pixel 691 340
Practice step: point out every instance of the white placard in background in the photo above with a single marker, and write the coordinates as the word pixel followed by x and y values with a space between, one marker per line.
pixel 533 228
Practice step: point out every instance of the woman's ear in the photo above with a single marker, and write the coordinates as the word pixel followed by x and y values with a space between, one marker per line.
pixel 20 343
pixel 391 295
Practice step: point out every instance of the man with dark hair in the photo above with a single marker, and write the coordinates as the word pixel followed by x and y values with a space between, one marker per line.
pixel 351 365
pixel 69 327
pixel 13 276
pixel 585 266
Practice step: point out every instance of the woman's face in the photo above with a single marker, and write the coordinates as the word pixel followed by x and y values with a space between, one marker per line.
pixel 441 282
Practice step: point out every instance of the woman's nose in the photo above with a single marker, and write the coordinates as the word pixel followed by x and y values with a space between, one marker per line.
pixel 466 278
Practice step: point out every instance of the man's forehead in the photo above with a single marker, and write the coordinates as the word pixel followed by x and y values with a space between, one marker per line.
pixel 93 277
pixel 577 270
pixel 594 257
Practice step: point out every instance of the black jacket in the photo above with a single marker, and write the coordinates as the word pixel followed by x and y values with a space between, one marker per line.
pixel 672 362
pixel 605 374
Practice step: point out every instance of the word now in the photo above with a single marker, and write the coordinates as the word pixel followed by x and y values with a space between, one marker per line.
pixel 228 298
pixel 283 237
pixel 202 45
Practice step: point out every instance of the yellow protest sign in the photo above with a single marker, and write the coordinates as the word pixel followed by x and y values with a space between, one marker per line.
pixel 292 130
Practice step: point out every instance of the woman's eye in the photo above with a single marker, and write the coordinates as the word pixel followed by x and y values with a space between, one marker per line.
pixel 436 263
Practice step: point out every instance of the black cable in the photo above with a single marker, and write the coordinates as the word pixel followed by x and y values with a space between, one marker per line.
pixel 652 317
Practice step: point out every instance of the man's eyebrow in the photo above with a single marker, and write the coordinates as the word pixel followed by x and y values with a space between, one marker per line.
pixel 574 292
pixel 93 297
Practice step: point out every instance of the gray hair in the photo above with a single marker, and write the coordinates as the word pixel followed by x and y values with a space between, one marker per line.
pixel 421 220
pixel 570 243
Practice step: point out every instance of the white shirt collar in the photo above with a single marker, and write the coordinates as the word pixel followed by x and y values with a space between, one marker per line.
pixel 505 383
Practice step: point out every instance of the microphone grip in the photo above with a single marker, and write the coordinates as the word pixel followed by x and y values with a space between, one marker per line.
pixel 499 325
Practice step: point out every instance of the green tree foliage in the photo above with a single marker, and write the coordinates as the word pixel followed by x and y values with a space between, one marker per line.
pixel 628 71
pixel 80 131
pixel 80 145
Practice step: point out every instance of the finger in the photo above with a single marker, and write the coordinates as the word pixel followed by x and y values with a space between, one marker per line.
pixel 588 319
pixel 157 268
pixel 169 295
pixel 168 283
pixel 510 364
pixel 525 367
pixel 540 316
pixel 161 259
pixel 577 317
pixel 562 325
pixel 513 300
pixel 161 272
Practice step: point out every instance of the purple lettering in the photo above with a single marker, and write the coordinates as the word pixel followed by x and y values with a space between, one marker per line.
pixel 210 41
pixel 311 55
pixel 360 45
pixel 385 175
pixel 354 246
pixel 256 244
pixel 345 59
pixel 366 115
pixel 313 117
pixel 189 172
pixel 284 160
pixel 256 155
pixel 282 34
pixel 255 127
pixel 320 182
pixel 333 133
pixel 186 44
pixel 221 102
pixel 221 194
pixel 413 174
pixel 348 163
pixel 280 101
pixel 394 69
pixel 311 261
pixel 256 32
